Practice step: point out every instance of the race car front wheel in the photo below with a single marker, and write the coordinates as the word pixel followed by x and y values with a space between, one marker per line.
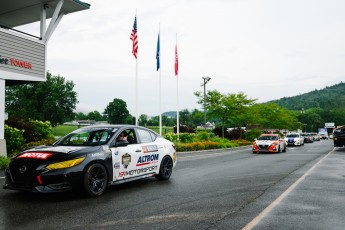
pixel 95 179
pixel 165 168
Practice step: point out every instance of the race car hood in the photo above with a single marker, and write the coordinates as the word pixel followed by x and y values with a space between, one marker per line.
pixel 263 142
pixel 58 150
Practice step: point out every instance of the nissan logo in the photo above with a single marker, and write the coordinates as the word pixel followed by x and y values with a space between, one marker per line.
pixel 22 169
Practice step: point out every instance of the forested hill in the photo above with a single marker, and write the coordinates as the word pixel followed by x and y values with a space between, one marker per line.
pixel 332 97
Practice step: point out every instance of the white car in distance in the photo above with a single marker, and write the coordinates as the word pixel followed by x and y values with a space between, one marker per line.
pixel 294 139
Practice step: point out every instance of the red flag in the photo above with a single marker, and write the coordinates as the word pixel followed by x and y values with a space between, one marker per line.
pixel 134 38
pixel 176 61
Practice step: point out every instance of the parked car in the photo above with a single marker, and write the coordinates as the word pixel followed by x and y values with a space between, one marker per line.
pixel 294 139
pixel 91 158
pixel 272 143
pixel 339 137
pixel 308 138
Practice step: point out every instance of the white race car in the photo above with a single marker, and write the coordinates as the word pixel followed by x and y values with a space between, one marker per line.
pixel 294 139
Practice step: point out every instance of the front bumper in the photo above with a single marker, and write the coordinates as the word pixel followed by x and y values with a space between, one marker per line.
pixel 43 181
pixel 265 149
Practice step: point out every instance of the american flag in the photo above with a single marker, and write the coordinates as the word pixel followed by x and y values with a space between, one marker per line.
pixel 134 38
pixel 176 61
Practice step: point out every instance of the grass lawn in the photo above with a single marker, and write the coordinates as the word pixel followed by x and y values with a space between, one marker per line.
pixel 62 130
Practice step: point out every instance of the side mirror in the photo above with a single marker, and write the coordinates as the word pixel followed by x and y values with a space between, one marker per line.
pixel 119 144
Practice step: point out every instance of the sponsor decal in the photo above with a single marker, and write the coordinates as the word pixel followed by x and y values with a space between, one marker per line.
pixel 137 171
pixel 147 159
pixel 116 153
pixel 97 154
pixel 117 165
pixel 126 160
pixel 35 155
pixel 15 62
pixel 150 148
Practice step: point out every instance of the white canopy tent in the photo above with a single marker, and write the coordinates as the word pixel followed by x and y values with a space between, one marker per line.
pixel 23 56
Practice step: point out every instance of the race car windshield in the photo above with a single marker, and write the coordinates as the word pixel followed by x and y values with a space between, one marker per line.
pixel 268 138
pixel 87 137
pixel 292 135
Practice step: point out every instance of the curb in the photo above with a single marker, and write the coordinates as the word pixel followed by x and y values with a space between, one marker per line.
pixel 214 150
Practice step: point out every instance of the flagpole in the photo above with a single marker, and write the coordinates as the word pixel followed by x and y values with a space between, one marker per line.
pixel 160 84
pixel 136 85
pixel 136 92
pixel 134 38
pixel 177 100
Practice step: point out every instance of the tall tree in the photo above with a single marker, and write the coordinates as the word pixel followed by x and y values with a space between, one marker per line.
pixel 95 115
pixel 53 100
pixel 227 107
pixel 117 112
pixel 143 119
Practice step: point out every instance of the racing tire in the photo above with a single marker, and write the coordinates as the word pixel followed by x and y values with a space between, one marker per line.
pixel 95 180
pixel 165 169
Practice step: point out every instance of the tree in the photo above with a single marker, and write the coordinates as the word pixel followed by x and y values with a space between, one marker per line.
pixel 143 120
pixel 227 107
pixel 185 117
pixel 272 116
pixel 95 115
pixel 80 116
pixel 53 100
pixel 117 112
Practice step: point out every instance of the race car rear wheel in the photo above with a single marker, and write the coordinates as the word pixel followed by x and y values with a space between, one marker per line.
pixel 95 179
pixel 165 168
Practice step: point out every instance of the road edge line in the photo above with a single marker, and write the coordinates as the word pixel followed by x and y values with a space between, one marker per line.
pixel 270 207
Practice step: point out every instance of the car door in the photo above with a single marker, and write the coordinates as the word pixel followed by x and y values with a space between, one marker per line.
pixel 125 158
pixel 151 155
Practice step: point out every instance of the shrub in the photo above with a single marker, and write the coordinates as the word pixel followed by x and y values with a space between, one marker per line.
pixel 4 161
pixel 34 130
pixel 171 137
pixel 184 129
pixel 204 136
pixel 242 142
pixel 14 140
pixel 48 141
pixel 186 137
pixel 43 130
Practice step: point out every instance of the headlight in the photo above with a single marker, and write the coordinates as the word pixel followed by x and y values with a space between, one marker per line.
pixel 65 164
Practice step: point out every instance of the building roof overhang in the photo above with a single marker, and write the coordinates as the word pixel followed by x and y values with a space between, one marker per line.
pixel 15 13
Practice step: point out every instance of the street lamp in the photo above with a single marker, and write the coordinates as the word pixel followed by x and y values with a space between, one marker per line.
pixel 206 79
pixel 305 125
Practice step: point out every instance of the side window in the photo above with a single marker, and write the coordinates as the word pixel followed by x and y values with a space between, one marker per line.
pixel 127 135
pixel 144 136
pixel 131 136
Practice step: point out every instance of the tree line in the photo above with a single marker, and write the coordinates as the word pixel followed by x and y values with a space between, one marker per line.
pixel 55 100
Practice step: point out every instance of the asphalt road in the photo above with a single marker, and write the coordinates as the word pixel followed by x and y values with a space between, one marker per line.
pixel 229 189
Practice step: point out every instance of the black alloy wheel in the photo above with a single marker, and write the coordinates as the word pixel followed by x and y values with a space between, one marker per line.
pixel 95 180
pixel 165 168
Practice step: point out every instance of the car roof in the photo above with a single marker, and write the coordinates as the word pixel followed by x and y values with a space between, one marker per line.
pixel 117 126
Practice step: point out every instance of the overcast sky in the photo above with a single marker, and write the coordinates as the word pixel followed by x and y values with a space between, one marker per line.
pixel 267 49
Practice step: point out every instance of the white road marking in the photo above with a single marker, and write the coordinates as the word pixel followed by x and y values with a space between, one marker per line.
pixel 269 208
pixel 2 177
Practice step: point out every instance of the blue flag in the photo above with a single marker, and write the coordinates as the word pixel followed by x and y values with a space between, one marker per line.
pixel 158 53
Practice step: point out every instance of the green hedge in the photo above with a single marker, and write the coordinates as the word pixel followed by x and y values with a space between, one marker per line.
pixel 4 161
